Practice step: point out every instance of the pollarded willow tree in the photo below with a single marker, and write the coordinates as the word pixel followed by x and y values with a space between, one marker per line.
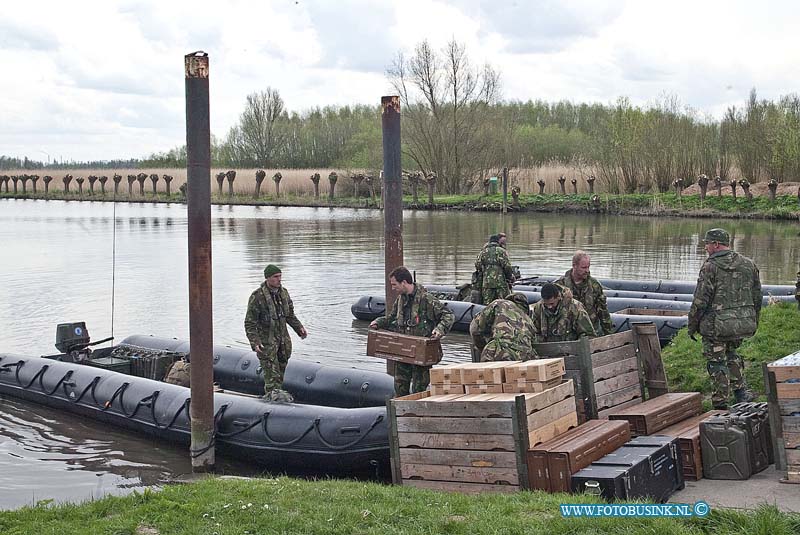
pixel 448 108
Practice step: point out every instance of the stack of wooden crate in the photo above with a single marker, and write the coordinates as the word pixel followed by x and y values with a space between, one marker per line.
pixel 497 377
pixel 612 372
pixel 782 379
pixel 474 442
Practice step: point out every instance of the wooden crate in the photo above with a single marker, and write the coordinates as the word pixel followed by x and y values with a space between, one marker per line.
pixel 404 348
pixel 446 375
pixel 782 382
pixel 539 370
pixel 482 373
pixel 612 372
pixel 659 413
pixel 443 389
pixel 688 434
pixel 471 443
pixel 530 387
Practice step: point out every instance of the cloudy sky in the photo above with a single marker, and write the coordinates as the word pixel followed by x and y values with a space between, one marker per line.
pixel 104 79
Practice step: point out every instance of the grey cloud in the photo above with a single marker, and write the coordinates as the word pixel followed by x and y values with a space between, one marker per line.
pixel 541 26
pixel 637 68
pixel 14 37
pixel 354 35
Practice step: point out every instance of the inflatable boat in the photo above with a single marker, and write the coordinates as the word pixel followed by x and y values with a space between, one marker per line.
pixel 309 382
pixel 655 286
pixel 667 322
pixel 303 438
pixel 642 299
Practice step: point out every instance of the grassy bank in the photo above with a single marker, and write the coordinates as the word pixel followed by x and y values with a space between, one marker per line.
pixel 284 505
pixel 664 204
pixel 778 335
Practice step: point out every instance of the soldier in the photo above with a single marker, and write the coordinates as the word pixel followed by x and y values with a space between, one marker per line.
pixel 493 272
pixel 507 325
pixel 589 292
pixel 557 317
pixel 725 309
pixel 269 311
pixel 418 313
pixel 797 291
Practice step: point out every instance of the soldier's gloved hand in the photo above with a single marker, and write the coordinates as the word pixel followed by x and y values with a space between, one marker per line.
pixel 303 333
pixel 373 325
pixel 259 348
pixel 436 334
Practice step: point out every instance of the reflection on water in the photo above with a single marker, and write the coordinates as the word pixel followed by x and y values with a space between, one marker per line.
pixel 61 259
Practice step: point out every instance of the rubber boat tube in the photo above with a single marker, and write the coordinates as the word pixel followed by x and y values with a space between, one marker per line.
pixel 370 307
pixel 656 286
pixel 451 292
pixel 284 436
pixel 309 382
pixel 615 304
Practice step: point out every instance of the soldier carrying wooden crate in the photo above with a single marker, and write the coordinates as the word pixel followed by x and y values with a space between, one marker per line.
pixel 418 313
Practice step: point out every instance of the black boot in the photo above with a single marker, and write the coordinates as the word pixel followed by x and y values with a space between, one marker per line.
pixel 743 395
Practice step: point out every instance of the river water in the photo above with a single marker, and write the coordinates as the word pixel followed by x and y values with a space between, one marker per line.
pixel 69 261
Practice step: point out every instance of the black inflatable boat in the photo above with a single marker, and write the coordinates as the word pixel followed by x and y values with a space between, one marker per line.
pixel 667 322
pixel 303 437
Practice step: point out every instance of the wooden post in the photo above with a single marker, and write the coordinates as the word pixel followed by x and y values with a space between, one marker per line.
pixel 519 424
pixel 394 443
pixel 775 420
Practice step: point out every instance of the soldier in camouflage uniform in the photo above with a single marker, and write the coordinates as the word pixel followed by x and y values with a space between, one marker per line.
pixel 493 272
pixel 797 291
pixel 589 292
pixel 269 311
pixel 418 313
pixel 557 317
pixel 725 309
pixel 507 326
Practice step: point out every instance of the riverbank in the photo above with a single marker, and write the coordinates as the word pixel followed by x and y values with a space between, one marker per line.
pixel 285 505
pixel 785 207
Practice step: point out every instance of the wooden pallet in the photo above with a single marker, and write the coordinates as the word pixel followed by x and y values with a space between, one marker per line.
pixel 612 372
pixel 472 443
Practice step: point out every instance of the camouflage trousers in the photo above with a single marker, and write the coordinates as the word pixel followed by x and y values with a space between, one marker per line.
pixel 490 294
pixel 725 366
pixel 273 365
pixel 410 379
pixel 495 351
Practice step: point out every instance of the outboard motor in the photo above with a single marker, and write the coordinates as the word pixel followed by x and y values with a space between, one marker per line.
pixel 72 339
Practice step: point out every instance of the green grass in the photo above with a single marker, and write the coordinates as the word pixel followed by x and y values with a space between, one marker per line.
pixel 784 207
pixel 778 335
pixel 286 505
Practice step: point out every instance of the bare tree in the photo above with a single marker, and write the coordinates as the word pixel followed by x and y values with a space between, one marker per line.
pixel 258 135
pixel 447 106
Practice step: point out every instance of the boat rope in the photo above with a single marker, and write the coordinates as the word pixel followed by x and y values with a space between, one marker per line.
pixel 194 454
pixel 265 419
pixel 468 309
pixel 119 392
pixel 113 257
pixel 378 419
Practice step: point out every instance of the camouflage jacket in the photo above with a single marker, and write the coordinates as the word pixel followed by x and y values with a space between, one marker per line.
pixel 727 299
pixel 590 294
pixel 267 316
pixel 797 291
pixel 569 321
pixel 493 267
pixel 417 314
pixel 507 325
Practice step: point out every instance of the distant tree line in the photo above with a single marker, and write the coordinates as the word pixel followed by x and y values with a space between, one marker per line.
pixel 456 128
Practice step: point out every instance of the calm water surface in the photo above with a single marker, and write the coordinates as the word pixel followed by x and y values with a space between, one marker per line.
pixel 62 259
